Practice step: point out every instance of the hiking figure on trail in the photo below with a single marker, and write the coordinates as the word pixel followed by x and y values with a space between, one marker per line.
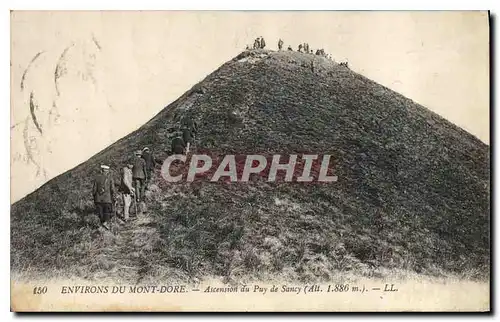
pixel 306 48
pixel 178 145
pixel 139 176
pixel 190 124
pixel 256 44
pixel 345 64
pixel 103 192
pixel 300 48
pixel 127 190
pixel 262 43
pixel 290 48
pixel 187 137
pixel 147 155
pixel 280 44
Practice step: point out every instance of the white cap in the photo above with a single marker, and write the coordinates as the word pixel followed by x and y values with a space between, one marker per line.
pixel 103 166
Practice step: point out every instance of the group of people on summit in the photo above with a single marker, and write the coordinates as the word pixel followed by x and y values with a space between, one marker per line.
pixel 135 177
pixel 304 48
pixel 260 43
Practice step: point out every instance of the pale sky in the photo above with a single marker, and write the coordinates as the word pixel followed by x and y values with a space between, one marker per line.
pixel 121 68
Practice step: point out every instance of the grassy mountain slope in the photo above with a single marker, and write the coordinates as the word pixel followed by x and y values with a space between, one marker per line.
pixel 412 193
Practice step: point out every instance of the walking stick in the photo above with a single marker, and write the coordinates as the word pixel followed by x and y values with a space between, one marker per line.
pixel 136 213
pixel 114 217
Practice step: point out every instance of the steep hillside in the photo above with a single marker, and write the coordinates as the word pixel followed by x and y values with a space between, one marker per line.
pixel 412 191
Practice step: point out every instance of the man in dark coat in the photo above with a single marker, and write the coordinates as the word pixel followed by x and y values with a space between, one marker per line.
pixel 103 192
pixel 139 176
pixel 148 157
pixel 256 44
pixel 178 145
pixel 280 44
pixel 189 123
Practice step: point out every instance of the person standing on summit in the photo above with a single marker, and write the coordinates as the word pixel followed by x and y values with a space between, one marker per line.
pixel 262 43
pixel 256 43
pixel 103 192
pixel 139 176
pixel 280 44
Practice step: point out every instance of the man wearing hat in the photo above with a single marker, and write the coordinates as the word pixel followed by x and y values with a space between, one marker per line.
pixel 147 155
pixel 103 192
pixel 139 175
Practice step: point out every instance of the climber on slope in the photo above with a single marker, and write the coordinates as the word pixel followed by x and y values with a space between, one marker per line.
pixel 148 157
pixel 280 44
pixel 178 145
pixel 189 123
pixel 139 176
pixel 103 192
pixel 187 137
pixel 126 190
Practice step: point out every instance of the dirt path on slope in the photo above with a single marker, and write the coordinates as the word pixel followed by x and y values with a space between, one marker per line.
pixel 126 249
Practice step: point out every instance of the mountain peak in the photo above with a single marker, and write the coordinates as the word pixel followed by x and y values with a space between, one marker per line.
pixel 412 191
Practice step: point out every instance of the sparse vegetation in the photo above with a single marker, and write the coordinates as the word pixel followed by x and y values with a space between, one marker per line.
pixel 412 195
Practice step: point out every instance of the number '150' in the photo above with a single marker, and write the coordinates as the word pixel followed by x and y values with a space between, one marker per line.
pixel 40 290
